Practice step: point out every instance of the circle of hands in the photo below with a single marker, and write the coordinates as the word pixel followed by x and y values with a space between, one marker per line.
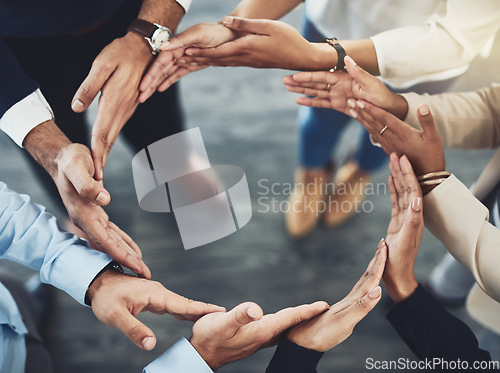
pixel 222 336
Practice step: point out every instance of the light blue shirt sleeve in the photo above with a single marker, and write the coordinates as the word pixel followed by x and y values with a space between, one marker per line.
pixel 30 236
pixel 181 357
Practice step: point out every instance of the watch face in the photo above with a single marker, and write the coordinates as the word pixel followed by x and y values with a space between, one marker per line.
pixel 159 37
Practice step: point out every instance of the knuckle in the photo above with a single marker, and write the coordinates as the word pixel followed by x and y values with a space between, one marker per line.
pixel 362 304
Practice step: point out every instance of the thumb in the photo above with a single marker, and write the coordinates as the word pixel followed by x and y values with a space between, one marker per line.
pixel 414 216
pixel 250 26
pixel 243 314
pixel 426 120
pixel 135 330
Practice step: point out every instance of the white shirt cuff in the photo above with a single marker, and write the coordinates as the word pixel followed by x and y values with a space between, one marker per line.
pixel 185 4
pixel 181 357
pixel 28 113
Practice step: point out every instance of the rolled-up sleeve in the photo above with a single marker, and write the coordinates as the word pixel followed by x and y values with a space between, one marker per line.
pixel 185 4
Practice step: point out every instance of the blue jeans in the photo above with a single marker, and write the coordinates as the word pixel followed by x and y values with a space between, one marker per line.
pixel 320 129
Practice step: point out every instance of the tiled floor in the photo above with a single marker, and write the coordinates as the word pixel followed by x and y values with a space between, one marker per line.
pixel 248 119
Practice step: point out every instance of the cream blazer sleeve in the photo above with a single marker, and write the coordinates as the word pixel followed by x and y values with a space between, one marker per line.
pixel 469 120
pixel 440 49
pixel 452 213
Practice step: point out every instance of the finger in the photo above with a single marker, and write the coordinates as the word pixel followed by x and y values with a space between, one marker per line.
pixel 183 40
pixel 250 26
pixel 309 91
pixel 318 86
pixel 166 301
pixel 160 67
pixel 313 102
pixel 135 330
pixel 284 319
pixel 104 242
pixel 411 183
pixel 321 78
pixel 243 314
pixel 93 83
pixel 356 72
pixel 426 121
pixel 398 179
pixel 86 186
pixel 357 311
pixel 394 197
pixel 414 218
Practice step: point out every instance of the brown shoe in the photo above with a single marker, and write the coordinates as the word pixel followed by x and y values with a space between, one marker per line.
pixel 307 201
pixel 348 195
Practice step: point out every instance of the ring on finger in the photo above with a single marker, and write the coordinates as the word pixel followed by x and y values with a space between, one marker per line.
pixel 383 130
pixel 328 86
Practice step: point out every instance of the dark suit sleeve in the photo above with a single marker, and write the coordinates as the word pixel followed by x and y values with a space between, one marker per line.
pixel 432 332
pixel 14 83
pixel 292 358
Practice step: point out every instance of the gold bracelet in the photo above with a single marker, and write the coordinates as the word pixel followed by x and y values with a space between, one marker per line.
pixel 432 182
pixel 430 175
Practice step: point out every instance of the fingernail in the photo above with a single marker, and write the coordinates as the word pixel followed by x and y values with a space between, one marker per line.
pixel 194 64
pixel 189 52
pixel 360 104
pixel 227 20
pixel 351 103
pixel 348 60
pixel 101 174
pixel 251 313
pixel 148 343
pixel 375 293
pixel 77 105
pixel 353 113
pixel 423 109
pixel 416 205
pixel 102 198
pixel 165 45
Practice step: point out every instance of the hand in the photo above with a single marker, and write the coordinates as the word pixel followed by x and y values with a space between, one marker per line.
pixel 78 190
pixel 333 90
pixel 405 230
pixel 165 70
pixel 264 44
pixel 117 299
pixel 116 73
pixel 221 338
pixel 424 149
pixel 333 327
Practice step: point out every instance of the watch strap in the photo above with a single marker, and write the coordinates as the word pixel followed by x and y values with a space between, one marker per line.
pixel 143 28
pixel 340 52
pixel 114 266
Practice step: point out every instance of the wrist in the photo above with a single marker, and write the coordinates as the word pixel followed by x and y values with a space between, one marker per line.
pixel 398 106
pixel 209 357
pixel 139 43
pixel 324 57
pixel 112 270
pixel 45 143
pixel 401 289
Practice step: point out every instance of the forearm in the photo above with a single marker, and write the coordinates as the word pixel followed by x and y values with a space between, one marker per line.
pixel 45 143
pixel 167 13
pixel 427 328
pixel 264 9
pixel 465 231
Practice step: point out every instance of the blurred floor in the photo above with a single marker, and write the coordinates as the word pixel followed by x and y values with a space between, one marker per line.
pixel 247 119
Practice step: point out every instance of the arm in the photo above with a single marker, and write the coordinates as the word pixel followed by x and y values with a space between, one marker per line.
pixel 469 120
pixel 116 73
pixel 428 329
pixel 221 338
pixel 31 237
pixel 71 168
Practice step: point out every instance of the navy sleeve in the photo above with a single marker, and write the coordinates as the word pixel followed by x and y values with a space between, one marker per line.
pixel 430 331
pixel 14 83
pixel 292 358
